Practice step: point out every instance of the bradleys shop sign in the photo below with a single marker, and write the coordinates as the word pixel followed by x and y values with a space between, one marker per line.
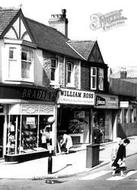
pixel 69 96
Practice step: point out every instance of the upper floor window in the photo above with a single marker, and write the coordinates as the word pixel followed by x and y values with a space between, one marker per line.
pixel 101 79
pixel 11 53
pixel 69 73
pixel 26 60
pixel 20 64
pixel 93 77
pixel 53 69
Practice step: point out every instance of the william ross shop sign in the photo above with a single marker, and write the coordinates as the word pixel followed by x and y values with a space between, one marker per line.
pixel 68 96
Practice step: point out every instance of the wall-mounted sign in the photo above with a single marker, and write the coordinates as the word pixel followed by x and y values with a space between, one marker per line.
pixel 100 100
pixel 106 101
pixel 69 96
pixel 31 109
pixel 27 93
pixel 124 104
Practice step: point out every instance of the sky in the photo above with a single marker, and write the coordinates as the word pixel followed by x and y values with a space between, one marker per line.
pixel 117 45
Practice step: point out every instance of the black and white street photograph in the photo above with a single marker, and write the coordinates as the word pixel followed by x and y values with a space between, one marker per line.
pixel 68 95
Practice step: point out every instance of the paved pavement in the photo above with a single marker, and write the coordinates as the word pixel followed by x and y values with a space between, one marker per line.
pixel 63 165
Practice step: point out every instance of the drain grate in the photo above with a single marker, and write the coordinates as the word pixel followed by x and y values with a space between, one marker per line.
pixel 52 181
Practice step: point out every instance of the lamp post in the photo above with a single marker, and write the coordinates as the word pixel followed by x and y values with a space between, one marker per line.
pixel 50 159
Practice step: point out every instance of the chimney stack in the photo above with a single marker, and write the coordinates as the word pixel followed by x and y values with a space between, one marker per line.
pixel 60 22
pixel 123 73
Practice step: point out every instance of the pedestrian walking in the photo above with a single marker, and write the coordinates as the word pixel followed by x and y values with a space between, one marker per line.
pixel 119 163
pixel 118 142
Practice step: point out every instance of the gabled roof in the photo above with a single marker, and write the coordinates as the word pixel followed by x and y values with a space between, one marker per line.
pixel 45 37
pixel 6 16
pixel 83 47
pixel 50 39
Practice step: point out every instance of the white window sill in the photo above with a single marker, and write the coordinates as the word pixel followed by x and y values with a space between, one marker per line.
pixel 70 85
pixel 19 81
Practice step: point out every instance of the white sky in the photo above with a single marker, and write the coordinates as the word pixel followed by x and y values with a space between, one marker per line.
pixel 118 45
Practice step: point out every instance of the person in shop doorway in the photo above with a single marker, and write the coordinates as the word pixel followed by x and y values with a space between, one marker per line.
pixel 97 135
pixel 46 137
pixel 119 163
pixel 66 143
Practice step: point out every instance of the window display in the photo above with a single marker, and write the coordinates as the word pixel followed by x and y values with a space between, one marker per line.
pixel 11 131
pixel 28 133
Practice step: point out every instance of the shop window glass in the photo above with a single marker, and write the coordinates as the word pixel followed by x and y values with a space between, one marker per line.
pixel 29 133
pixel 45 133
pixel 93 76
pixel 30 136
pixel 131 116
pixel 134 115
pixel 120 116
pixel 125 116
pixel 12 146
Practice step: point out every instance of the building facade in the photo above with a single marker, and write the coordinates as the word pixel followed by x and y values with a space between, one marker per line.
pixel 126 90
pixel 48 80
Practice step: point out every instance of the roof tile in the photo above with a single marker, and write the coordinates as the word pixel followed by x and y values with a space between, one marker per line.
pixel 6 15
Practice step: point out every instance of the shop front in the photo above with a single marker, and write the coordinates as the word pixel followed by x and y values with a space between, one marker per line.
pixel 27 121
pixel 75 114
pixel 105 116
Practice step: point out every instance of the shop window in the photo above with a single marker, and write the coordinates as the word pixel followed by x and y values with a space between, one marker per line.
pixel 120 116
pixel 131 116
pixel 134 116
pixel 101 79
pixel 125 116
pixel 93 77
pixel 28 133
pixel 13 129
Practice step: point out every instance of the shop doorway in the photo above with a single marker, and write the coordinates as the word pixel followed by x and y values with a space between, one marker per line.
pixel 1 135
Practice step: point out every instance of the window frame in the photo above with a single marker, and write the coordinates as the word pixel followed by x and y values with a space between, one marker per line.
pixel 53 69
pixel 15 63
pixel 28 61
pixel 70 73
pixel 93 77
pixel 101 79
